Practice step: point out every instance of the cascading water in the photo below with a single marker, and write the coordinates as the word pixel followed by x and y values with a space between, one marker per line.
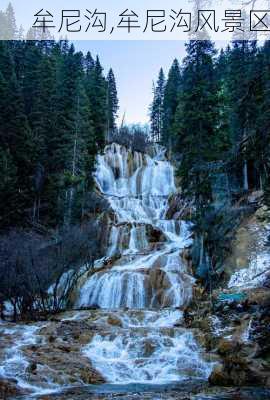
pixel 148 281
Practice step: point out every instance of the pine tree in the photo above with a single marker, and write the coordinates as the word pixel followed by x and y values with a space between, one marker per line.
pixel 112 100
pixel 197 119
pixel 30 73
pixel 15 136
pixel 3 25
pixel 14 125
pixel 53 120
pixel 170 103
pixel 241 103
pixel 9 197
pixel 96 89
pixel 72 146
pixel 221 71
pixel 157 110
pixel 89 63
pixel 40 117
pixel 261 142
pixel 6 59
pixel 11 30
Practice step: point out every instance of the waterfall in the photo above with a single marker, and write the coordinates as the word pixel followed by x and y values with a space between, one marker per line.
pixel 148 276
pixel 137 187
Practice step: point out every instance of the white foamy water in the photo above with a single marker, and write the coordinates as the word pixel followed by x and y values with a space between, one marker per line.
pixel 138 187
pixel 145 285
pixel 165 318
pixel 147 356
pixel 15 363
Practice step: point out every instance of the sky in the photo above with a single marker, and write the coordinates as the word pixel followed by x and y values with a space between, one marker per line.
pixel 135 64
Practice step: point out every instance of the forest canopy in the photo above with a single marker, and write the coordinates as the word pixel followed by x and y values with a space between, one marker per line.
pixel 214 108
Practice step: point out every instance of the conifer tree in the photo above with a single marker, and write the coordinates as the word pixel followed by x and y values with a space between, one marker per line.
pixel 9 197
pixel 96 89
pixel 112 101
pixel 53 116
pixel 261 142
pixel 89 63
pixel 30 73
pixel 171 98
pixel 197 118
pixel 223 139
pixel 11 27
pixel 241 102
pixel 157 108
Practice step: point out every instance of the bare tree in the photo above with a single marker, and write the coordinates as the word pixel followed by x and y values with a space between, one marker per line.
pixel 134 136
pixel 37 273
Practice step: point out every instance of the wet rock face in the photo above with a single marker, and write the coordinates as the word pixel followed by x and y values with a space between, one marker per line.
pixel 114 321
pixel 57 357
pixel 236 371
pixel 141 236
pixel 226 347
pixel 238 329
pixel 158 280
pixel 237 332
pixel 9 389
pixel 155 235
pixel 179 209
pixel 260 333
pixel 248 265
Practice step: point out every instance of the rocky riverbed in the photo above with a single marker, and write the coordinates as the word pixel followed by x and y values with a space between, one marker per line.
pixel 233 334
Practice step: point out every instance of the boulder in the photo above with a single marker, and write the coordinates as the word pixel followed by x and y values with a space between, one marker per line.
pixel 9 389
pixel 178 209
pixel 84 339
pixel 59 355
pixel 235 371
pixel 158 280
pixel 219 376
pixel 149 347
pixel 91 376
pixel 154 235
pixel 114 321
pixel 226 347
